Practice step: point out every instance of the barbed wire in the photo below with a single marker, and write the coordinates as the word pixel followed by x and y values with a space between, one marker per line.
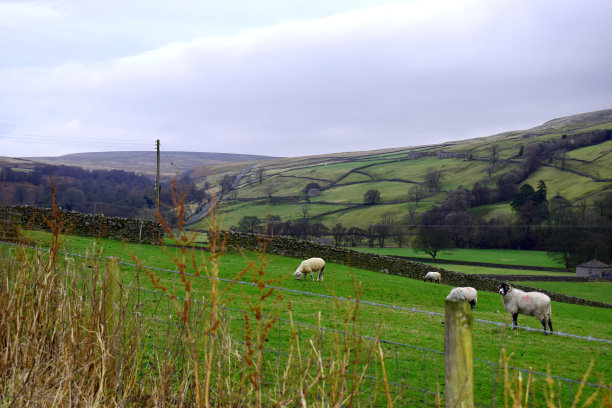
pixel 325 296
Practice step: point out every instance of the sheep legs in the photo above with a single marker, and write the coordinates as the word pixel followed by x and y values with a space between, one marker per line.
pixel 472 303
pixel 320 277
pixel 514 321
pixel 549 325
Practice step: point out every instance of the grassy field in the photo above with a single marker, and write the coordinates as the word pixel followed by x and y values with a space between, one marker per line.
pixel 422 330
pixel 597 291
pixel 479 270
pixel 495 256
pixel 402 327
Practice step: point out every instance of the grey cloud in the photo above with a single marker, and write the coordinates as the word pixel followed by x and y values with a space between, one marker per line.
pixel 343 83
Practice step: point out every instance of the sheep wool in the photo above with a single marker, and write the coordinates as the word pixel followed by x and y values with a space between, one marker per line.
pixel 309 266
pixel 464 294
pixel 432 277
pixel 528 303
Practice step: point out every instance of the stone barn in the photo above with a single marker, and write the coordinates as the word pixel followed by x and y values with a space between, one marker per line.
pixel 594 269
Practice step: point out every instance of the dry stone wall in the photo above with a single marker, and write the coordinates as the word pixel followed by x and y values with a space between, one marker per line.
pixel 75 223
pixel 373 262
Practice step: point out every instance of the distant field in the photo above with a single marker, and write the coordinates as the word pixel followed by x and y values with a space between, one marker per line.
pixel 591 152
pixel 569 185
pixel 491 211
pixel 496 256
pixel 478 270
pixel 597 291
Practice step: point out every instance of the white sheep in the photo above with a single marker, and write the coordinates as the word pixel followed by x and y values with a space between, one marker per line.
pixel 310 266
pixel 528 303
pixel 467 294
pixel 432 277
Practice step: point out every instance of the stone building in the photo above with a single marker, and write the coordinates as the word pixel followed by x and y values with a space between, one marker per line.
pixel 594 269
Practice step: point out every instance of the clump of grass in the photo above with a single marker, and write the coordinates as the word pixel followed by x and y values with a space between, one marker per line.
pixel 522 392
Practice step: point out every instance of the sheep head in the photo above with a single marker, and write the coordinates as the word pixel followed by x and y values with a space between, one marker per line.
pixel 505 288
pixel 298 274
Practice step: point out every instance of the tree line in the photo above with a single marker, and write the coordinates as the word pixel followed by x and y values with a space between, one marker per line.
pixel 115 193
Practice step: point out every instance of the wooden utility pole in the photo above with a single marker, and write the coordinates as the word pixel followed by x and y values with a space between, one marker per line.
pixel 459 356
pixel 157 179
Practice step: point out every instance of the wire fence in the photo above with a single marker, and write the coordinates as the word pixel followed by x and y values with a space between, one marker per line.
pixel 415 375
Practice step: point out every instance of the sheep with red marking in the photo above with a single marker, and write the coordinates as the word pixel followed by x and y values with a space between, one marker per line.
pixel 311 266
pixel 528 303
pixel 467 294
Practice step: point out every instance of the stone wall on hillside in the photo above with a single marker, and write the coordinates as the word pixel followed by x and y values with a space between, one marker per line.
pixel 544 278
pixel 91 225
pixel 373 262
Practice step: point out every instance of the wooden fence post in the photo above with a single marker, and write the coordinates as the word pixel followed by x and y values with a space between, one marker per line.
pixel 458 355
pixel 112 306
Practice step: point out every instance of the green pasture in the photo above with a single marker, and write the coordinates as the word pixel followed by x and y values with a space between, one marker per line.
pixel 600 169
pixel 356 177
pixel 494 256
pixel 597 291
pixel 479 270
pixel 530 349
pixel 232 211
pixel 353 194
pixel 590 153
pixel 412 170
pixel 363 216
pixel 331 171
pixel 491 211
pixel 281 187
pixel 569 185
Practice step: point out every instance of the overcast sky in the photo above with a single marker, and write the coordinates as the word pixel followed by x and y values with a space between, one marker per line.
pixel 292 78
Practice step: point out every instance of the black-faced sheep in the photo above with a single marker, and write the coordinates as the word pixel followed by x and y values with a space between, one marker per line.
pixel 528 303
pixel 432 277
pixel 467 294
pixel 310 266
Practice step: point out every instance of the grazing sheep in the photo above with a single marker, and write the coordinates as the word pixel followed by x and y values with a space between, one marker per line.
pixel 528 303
pixel 310 266
pixel 467 294
pixel 432 277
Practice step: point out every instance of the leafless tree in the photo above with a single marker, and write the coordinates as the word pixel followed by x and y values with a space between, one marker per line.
pixel 416 194
pixel 305 211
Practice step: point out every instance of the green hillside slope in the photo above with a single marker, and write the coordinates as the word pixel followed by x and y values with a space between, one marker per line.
pixel 548 153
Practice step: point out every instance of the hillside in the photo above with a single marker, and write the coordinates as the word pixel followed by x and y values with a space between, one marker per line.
pixel 276 187
pixel 469 183
pixel 171 163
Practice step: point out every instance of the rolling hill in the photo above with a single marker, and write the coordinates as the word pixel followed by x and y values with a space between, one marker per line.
pixel 572 155
pixel 171 163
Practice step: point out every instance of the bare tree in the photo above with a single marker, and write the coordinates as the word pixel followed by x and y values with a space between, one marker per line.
pixel 416 194
pixel 432 180
pixel 493 155
pixel 382 230
pixel 305 211
pixel 561 157
pixel 270 190
pixel 260 174
pixel 371 197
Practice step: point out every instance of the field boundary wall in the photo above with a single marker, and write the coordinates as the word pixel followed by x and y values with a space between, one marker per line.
pixel 488 264
pixel 546 278
pixel 378 263
pixel 89 225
